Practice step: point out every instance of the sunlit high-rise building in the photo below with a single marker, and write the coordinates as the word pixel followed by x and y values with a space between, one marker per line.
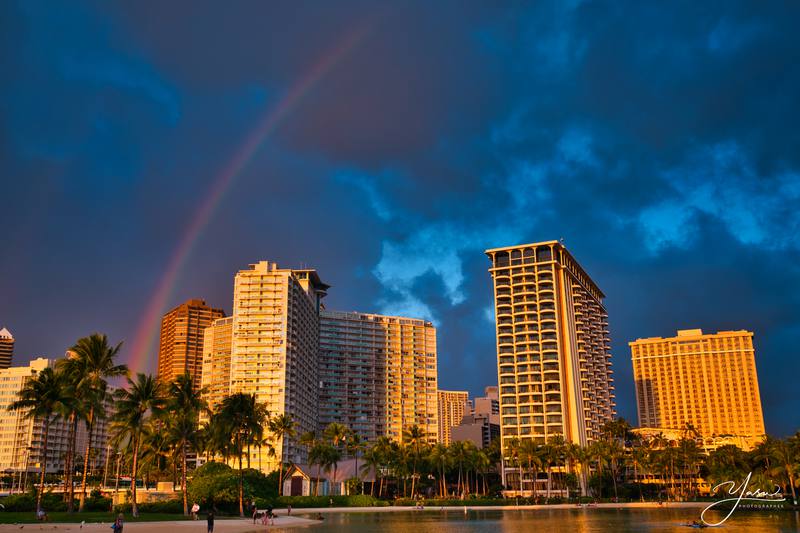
pixel 275 347
pixel 553 348
pixel 6 348
pixel 180 348
pixel 377 374
pixel 216 374
pixel 453 405
pixel 706 380
pixel 22 438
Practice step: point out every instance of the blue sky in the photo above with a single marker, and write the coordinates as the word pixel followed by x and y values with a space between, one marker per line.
pixel 659 141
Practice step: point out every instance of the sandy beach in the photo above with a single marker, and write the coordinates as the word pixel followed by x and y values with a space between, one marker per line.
pixel 223 525
pixel 302 517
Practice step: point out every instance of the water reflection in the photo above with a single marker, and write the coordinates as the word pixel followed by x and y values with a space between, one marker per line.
pixel 579 520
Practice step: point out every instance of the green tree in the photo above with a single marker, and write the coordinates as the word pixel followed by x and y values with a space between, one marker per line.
pixel 530 454
pixel 135 406
pixel 239 419
pixel 414 436
pixel 93 362
pixel 185 405
pixel 282 428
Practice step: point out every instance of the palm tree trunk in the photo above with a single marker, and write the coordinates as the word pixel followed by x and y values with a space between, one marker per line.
pixel 183 481
pixel 316 486
pixel 105 467
pixel 89 428
pixel 791 483
pixel 68 457
pixel 241 488
pixel 413 478
pixel 335 470
pixel 44 463
pixel 73 433
pixel 280 476
pixel 116 483
pixel 134 472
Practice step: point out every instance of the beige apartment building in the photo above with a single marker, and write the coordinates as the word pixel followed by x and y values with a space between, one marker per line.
pixel 377 374
pixel 274 349
pixel 453 405
pixel 216 373
pixel 553 348
pixel 706 380
pixel 6 348
pixel 21 439
pixel 180 348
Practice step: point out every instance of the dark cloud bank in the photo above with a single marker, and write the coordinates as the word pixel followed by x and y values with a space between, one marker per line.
pixel 659 141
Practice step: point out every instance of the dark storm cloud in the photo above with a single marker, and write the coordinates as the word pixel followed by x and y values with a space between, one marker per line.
pixel 659 142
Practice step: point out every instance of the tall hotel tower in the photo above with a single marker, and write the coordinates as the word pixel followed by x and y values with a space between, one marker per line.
pixel 377 374
pixel 6 348
pixel 275 346
pixel 180 347
pixel 707 380
pixel 553 353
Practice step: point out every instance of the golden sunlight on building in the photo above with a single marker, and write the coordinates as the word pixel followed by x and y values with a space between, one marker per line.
pixel 453 405
pixel 553 353
pixel 706 380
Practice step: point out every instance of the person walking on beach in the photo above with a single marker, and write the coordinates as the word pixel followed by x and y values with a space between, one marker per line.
pixel 210 519
pixel 118 523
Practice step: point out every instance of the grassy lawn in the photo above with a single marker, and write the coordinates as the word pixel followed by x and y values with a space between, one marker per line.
pixel 98 516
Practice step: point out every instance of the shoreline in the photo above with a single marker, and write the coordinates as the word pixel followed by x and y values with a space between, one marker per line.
pixel 532 507
pixel 299 517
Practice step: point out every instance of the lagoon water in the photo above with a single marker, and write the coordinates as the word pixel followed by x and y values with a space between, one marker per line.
pixel 541 521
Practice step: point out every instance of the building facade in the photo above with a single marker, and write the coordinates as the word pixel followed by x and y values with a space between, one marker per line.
pixel 275 347
pixel 477 428
pixel 453 405
pixel 216 374
pixel 553 347
pixel 377 374
pixel 21 438
pixel 706 380
pixel 6 348
pixel 180 348
pixel 488 404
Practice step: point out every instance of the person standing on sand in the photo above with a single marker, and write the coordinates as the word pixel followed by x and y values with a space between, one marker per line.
pixel 118 523
pixel 210 519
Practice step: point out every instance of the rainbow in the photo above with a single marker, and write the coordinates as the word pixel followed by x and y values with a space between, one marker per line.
pixel 150 323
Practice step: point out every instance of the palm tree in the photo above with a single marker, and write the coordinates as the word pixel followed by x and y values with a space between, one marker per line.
pixel 689 455
pixel 414 436
pixel 597 453
pixel 185 405
pixel 785 453
pixel 372 463
pixel 512 451
pixel 42 396
pixel 144 399
pixel 337 434
pixel 530 454
pixel 551 453
pixel 282 428
pixel 354 445
pixel 317 456
pixel 239 415
pixel 93 361
pixel 439 457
